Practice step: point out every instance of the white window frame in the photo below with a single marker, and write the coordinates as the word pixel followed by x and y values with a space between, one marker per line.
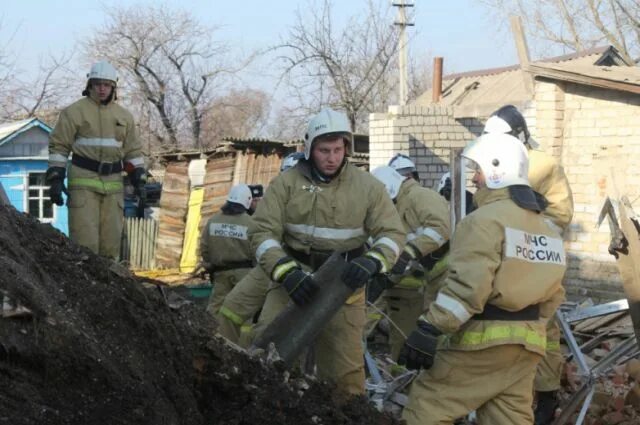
pixel 40 197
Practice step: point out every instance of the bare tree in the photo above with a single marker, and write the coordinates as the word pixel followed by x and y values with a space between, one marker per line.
pixel 170 60
pixel 345 68
pixel 579 24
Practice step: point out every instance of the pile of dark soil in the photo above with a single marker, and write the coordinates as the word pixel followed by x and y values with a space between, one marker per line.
pixel 99 348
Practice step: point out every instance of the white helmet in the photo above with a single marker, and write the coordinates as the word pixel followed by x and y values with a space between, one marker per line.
pixel 502 158
pixel 291 160
pixel 327 122
pixel 443 181
pixel 391 179
pixel 240 194
pixel 103 70
pixel 404 165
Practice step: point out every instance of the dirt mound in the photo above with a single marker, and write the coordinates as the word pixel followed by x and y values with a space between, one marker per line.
pixel 100 348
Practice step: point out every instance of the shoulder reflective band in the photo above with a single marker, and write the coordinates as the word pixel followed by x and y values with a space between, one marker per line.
pixel 431 233
pixel 226 230
pixel 534 248
pixel 454 306
pixel 389 244
pixel 97 141
pixel 58 158
pixel 136 162
pixel 265 246
pixel 325 232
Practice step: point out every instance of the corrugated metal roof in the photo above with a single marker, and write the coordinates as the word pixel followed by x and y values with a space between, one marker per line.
pixel 9 130
pixel 478 93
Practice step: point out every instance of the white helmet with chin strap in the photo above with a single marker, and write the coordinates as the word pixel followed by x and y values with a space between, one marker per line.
pixel 103 70
pixel 502 158
pixel 443 181
pixel 391 179
pixel 326 123
pixel 240 194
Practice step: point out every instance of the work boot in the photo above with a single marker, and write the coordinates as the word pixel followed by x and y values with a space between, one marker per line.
pixel 546 408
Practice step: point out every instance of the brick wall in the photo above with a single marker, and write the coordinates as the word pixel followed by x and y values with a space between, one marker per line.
pixel 425 133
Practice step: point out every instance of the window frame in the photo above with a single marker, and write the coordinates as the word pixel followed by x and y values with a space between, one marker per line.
pixel 40 197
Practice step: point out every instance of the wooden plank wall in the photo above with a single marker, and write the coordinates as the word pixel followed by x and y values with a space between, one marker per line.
pixel 173 212
pixel 217 182
pixel 256 168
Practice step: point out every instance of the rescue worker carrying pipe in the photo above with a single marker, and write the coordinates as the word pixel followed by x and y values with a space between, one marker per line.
pixel 324 205
pixel 425 216
pixel 247 298
pixel 224 245
pixel 547 178
pixel 102 137
pixel 483 336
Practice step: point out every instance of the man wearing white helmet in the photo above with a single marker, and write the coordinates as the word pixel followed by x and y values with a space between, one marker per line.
pixel 101 136
pixel 224 245
pixel 483 336
pixel 324 205
pixel 425 216
pixel 547 177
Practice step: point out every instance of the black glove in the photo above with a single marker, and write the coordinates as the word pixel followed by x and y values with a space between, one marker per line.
pixel 400 267
pixel 55 178
pixel 300 286
pixel 359 271
pixel 420 347
pixel 377 286
pixel 138 177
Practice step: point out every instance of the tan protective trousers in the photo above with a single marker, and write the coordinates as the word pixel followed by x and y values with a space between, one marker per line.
pixel 223 282
pixel 241 304
pixel 338 350
pixel 497 382
pixel 95 221
pixel 550 368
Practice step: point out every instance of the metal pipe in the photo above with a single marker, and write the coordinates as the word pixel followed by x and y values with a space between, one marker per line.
pixel 437 79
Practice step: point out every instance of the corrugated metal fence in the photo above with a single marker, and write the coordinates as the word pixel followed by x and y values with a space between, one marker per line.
pixel 139 244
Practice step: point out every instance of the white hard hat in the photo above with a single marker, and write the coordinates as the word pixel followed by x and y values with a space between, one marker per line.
pixel 509 120
pixel 291 160
pixel 402 164
pixel 502 158
pixel 103 70
pixel 443 181
pixel 391 179
pixel 327 122
pixel 240 194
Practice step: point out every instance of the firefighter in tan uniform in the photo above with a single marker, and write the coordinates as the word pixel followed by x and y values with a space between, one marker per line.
pixel 247 297
pixel 547 178
pixel 101 135
pixel 224 245
pixel 323 205
pixel 482 338
pixel 425 216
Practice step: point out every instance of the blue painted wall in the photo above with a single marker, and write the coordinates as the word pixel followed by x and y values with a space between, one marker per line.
pixel 14 178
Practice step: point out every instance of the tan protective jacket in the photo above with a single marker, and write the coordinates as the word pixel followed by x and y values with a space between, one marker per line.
pixel 337 216
pixel 506 256
pixel 547 177
pixel 104 133
pixel 225 240
pixel 425 215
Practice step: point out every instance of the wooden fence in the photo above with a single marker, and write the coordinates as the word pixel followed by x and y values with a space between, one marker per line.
pixel 139 242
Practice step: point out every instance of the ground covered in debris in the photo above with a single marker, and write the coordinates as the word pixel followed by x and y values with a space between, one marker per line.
pixel 99 348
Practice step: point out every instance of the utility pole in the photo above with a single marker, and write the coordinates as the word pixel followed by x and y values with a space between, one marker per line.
pixel 402 6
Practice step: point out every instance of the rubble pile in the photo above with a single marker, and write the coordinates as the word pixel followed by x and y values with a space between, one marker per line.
pixel 91 345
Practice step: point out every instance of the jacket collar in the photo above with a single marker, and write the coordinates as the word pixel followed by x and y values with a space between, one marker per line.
pixel 486 196
pixel 305 169
pixel 406 186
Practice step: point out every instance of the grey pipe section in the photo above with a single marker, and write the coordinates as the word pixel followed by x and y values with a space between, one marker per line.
pixel 297 327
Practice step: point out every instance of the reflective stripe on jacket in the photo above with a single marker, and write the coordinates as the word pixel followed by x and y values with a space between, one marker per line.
pixel 103 133
pixel 337 216
pixel 225 240
pixel 506 256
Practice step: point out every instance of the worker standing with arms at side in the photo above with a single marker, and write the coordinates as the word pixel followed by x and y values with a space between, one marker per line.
pixel 324 205
pixel 247 297
pixel 102 137
pixel 224 245
pixel 425 215
pixel 504 282
pixel 546 177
